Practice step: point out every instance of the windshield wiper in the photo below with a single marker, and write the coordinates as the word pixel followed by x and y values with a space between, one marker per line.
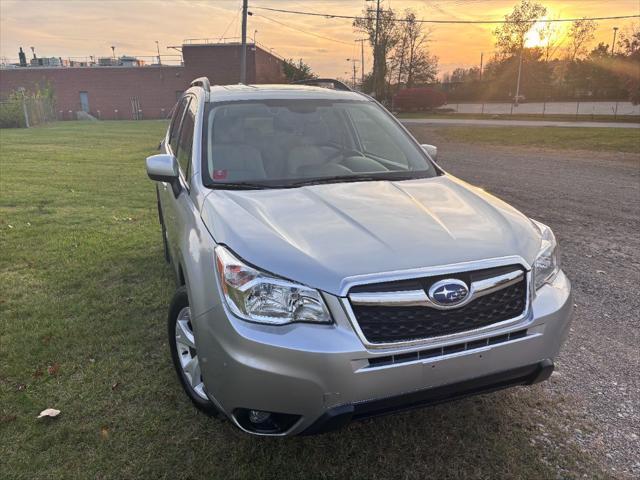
pixel 242 186
pixel 354 178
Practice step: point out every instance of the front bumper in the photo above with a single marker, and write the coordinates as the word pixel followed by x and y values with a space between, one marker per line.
pixel 324 372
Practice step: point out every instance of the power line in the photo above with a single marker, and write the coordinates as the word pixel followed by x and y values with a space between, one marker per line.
pixel 233 19
pixel 301 30
pixel 350 17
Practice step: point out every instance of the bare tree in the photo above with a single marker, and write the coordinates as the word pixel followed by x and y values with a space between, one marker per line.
pixel 580 34
pixel 510 36
pixel 420 66
pixel 411 62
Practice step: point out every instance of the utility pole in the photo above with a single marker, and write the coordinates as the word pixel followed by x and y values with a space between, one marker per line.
pixel 481 58
pixel 353 60
pixel 376 61
pixel 362 40
pixel 158 47
pixel 613 44
pixel 243 48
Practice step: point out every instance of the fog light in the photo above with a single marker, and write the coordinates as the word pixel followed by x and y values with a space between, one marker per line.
pixel 258 416
pixel 264 423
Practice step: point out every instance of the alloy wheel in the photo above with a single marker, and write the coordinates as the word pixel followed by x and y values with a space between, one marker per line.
pixel 187 354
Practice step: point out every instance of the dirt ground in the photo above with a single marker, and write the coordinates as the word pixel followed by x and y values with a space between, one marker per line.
pixel 592 202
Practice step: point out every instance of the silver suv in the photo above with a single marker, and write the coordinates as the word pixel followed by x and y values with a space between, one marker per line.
pixel 330 270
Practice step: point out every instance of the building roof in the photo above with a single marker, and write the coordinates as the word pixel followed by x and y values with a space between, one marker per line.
pixel 226 93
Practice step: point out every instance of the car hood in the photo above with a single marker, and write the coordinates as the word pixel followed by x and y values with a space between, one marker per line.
pixel 322 234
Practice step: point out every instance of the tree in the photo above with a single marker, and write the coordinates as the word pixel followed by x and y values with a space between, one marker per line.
pixel 387 38
pixel 510 36
pixel 580 34
pixel 419 66
pixel 628 62
pixel 629 42
pixel 297 71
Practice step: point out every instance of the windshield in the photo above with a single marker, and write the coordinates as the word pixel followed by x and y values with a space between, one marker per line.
pixel 288 143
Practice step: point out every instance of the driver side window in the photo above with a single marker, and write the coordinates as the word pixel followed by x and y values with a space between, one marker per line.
pixel 176 120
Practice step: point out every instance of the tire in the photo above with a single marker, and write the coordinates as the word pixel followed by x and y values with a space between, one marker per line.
pixel 183 352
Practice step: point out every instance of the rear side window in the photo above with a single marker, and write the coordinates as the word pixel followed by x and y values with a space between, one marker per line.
pixel 174 131
pixel 186 141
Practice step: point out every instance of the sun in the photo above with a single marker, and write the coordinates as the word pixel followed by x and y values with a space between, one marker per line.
pixel 535 36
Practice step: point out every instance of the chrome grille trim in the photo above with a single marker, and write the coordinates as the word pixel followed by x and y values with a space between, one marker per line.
pixel 506 326
pixel 420 298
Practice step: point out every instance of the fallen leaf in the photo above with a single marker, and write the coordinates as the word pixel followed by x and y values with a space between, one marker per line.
pixel 7 418
pixel 53 369
pixel 10 226
pixel 37 373
pixel 21 387
pixel 114 386
pixel 49 412
pixel 601 271
pixel 104 432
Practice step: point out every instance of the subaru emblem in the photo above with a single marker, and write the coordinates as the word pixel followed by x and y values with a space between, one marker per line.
pixel 449 292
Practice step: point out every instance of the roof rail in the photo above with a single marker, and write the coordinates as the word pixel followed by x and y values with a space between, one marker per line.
pixel 202 82
pixel 324 82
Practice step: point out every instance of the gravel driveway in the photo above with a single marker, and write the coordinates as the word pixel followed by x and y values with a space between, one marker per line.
pixel 592 202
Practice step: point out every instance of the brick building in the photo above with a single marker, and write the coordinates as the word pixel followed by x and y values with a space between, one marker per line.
pixel 132 92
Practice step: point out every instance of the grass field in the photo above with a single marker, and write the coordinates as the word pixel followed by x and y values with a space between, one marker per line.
pixel 572 138
pixel 83 299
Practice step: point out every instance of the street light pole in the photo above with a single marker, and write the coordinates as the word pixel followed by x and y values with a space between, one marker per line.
pixel 613 44
pixel 519 73
pixel 158 47
pixel 243 48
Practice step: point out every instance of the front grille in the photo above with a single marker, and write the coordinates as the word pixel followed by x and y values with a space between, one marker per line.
pixel 386 324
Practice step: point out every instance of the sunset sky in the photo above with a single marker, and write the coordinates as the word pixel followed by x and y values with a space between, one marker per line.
pixel 80 28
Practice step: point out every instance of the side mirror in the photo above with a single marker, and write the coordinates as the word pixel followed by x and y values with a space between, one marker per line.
pixel 164 168
pixel 431 150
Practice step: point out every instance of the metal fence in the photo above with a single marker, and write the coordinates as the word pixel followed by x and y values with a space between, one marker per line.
pixel 576 108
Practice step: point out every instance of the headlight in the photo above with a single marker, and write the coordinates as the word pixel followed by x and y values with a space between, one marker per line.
pixel 259 297
pixel 547 263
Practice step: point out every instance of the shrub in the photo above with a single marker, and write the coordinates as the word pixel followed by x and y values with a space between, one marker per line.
pixel 11 112
pixel 411 99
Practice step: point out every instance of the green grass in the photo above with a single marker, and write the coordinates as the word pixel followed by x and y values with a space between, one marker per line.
pixel 525 116
pixel 83 299
pixel 573 138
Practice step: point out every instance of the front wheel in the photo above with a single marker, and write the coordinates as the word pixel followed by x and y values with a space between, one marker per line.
pixel 184 353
